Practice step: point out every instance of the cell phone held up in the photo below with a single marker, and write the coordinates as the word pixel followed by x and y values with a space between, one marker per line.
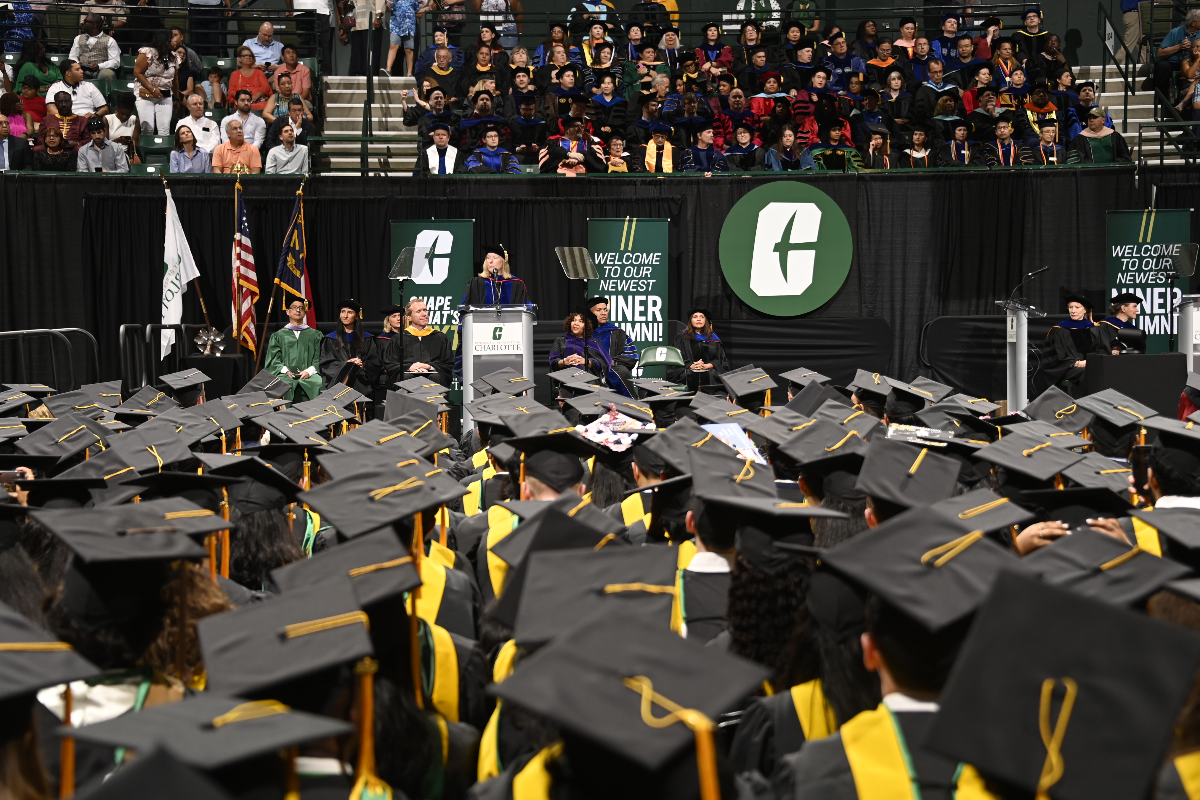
pixel 1138 460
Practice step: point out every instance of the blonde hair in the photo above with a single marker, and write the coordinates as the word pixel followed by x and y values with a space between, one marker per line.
pixel 505 269
pixel 387 321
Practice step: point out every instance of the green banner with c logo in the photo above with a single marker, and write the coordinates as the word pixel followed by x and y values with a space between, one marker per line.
pixel 786 249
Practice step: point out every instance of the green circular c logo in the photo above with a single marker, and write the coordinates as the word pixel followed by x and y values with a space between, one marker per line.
pixel 786 248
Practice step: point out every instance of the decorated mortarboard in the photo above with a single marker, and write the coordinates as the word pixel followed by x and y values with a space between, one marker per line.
pixel 1097 566
pixel 32 659
pixel 802 376
pixel 613 679
pixel 185 385
pixel 157 773
pixel 261 646
pixel 923 563
pixel 1036 458
pixel 1065 719
pixel 64 437
pixel 377 564
pixel 599 402
pixel 1044 430
pixel 905 474
pixel 267 382
pixel 983 510
pixel 564 585
pixel 149 399
pixel 1095 471
pixel 1117 410
pixel 374 498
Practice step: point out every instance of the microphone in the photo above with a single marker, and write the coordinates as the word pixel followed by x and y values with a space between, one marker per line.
pixel 1036 272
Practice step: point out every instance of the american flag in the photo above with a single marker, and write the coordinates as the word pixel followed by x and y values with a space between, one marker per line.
pixel 245 279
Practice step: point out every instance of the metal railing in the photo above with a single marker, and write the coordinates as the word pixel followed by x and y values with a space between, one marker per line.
pixel 1187 149
pixel 1127 70
pixel 30 369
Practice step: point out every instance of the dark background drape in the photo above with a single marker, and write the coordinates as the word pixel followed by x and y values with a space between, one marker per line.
pixel 87 250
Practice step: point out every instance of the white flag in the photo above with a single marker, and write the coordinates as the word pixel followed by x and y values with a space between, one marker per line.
pixel 178 269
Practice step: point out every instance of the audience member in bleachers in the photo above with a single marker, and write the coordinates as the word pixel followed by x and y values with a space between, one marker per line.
pixel 1005 151
pixel 253 128
pixel 366 32
pixel 301 75
pixel 73 126
pixel 248 77
pixel 529 132
pixel 96 51
pixel 279 101
pixel 1098 143
pixel 573 153
pixel 14 150
pixel 155 71
pixel 34 64
pixel 124 130
pixel 423 115
pixel 33 105
pixel 187 156
pixel 490 158
pixel 100 155
pixel 86 99
pixel 193 58
pixel 214 88
pixel 426 59
pixel 441 71
pixel 187 78
pixel 268 53
pixel 236 154
pixel 301 127
pixel 111 12
pixel 205 131
pixel 289 157
pixel 55 155
pixel 18 119
pixel 441 157
pixel 1031 40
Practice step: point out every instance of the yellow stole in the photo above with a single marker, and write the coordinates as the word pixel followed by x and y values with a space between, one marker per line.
pixel 1188 767
pixel 440 71
pixel 817 719
pixel 1147 536
pixel 433 586
pixel 687 551
pixel 881 765
pixel 410 329
pixel 445 673
pixel 479 459
pixel 632 509
pixel 668 161
pixel 533 781
pixel 489 743
pixel 501 522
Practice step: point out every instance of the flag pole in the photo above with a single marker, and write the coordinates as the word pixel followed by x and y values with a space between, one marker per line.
pixel 234 317
pixel 271 303
pixel 195 281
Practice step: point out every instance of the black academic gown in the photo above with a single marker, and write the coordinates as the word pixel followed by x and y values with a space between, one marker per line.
pixel 1105 332
pixel 335 367
pixel 704 604
pixel 480 291
pixel 405 349
pixel 692 350
pixel 1068 342
pixel 769 730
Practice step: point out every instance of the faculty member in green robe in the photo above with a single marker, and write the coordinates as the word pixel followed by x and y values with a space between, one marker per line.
pixel 294 352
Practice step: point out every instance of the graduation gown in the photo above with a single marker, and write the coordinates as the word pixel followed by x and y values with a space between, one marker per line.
pixel 955 154
pixel 776 726
pixel 622 354
pixel 609 114
pixel 742 159
pixel 429 346
pixel 711 352
pixel 704 603
pixel 1105 331
pixel 1012 154
pixel 480 291
pixel 336 368
pixel 902 106
pixel 531 132
pixel 1070 341
pixel 297 351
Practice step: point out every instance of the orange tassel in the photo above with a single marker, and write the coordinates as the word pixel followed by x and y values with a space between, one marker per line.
pixel 418 551
pixel 66 774
pixel 442 517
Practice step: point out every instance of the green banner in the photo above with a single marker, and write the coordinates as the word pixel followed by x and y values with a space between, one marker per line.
pixel 631 258
pixel 1140 247
pixel 442 266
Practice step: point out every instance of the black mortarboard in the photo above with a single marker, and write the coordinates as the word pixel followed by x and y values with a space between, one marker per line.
pixel 823 446
pixel 601 679
pixel 906 398
pixel 802 376
pixel 655 385
pixel 815 395
pixel 149 399
pixel 849 418
pixel 35 389
pixel 210 731
pixel 563 586
pixel 982 510
pixel 1115 409
pixel 342 464
pixel 67 493
pixel 718 411
pixel 508 381
pixel 1177 444
pixel 157 774
pixel 203 490
pixel 259 487
pixel 546 430
pixel 32 659
pixel 905 474
pixel 930 389
pixel 1075 506
pixel 11 400
pixel 248 405
pixel 1044 430
pixel 106 392
pixel 302 425
pixel 78 402
pixel 925 565
pixel 426 406
pixel 1100 567
pixel 978 406
pixel 747 383
pixel 155 530
pixel 151 450
pixel 1095 471
pixel 185 385
pixel 267 382
pixel 341 396
pixel 1181 529
pixel 42 464
pixel 1125 298
pixel 1063 715
pixel 373 498
pixel 376 434
pixel 871 383
pixel 377 564
pixel 63 437
pixel 1037 458
pixel 1058 408
pixel 672 444
pixel 296 634
pixel 424 386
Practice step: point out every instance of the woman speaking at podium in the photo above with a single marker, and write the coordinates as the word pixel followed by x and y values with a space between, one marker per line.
pixel 495 281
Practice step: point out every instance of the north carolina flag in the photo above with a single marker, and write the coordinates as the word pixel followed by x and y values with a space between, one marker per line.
pixel 292 275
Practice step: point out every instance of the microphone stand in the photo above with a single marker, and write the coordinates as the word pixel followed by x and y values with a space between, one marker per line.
pixel 496 291
pixel 1018 312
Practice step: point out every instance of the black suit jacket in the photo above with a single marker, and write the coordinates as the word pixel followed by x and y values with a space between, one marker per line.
pixel 20 157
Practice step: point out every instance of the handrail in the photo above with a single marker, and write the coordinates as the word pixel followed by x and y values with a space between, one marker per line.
pixel 95 347
pixel 22 363
pixel 1127 71
pixel 1187 126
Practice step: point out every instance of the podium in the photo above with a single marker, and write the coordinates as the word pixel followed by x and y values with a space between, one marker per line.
pixel 1155 379
pixel 495 337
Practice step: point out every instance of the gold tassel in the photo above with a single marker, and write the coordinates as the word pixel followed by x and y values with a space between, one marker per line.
pixel 442 518
pixel 345 427
pixel 210 542
pixel 225 546
pixel 522 474
pixel 291 517
pixel 307 471
pixel 291 784
pixel 66 769
pixel 418 553
pixel 367 785
pixel 237 441
pixel 768 400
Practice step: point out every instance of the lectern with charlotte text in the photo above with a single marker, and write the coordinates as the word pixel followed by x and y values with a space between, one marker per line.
pixel 495 337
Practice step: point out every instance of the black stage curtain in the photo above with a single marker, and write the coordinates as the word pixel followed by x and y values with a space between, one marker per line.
pixel 87 250
pixel 970 353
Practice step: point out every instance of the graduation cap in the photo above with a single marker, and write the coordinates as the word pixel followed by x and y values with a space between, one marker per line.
pixel 561 586
pixel 1179 526
pixel 802 377
pixel 32 659
pixel 1036 458
pixel 661 127
pixel 719 411
pixel 13 428
pixel 373 498
pixel 80 403
pixel 372 435
pixel 152 450
pixel 922 563
pixel 823 446
pixel 747 384
pixel 906 475
pixel 269 383
pixel 1075 506
pixel 1095 471
pixel 149 399
pixel 420 427
pixel 110 468
pixel 983 510
pixel 298 425
pixel 12 400
pixel 203 490
pixel 1177 444
pixel 66 493
pixel 158 774
pixel 813 396
pixel 423 386
pixel 378 566
pixel 248 405
pixel 426 406
pixel 1063 714
pixel 155 530
pixel 210 731
pixel 260 486
pixel 978 406
pixel 261 646
pixel 508 381
pixel 339 464
pixel 870 383
pixel 849 418
pixel 1045 430
pixel 106 392
pixel 609 677
pixel 671 446
pixel 905 399
pixel 1097 566
pixel 185 385
pixel 340 395
pixel 42 464
pixel 598 402
pixel 64 437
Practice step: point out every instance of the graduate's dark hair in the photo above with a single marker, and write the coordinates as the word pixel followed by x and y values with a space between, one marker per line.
pixel 20 588
pixel 49 555
pixel 1171 607
pixel 831 531
pixel 846 683
pixel 22 776
pixel 1171 480
pixel 762 610
pixel 799 662
pixel 404 741
pixel 189 597
pixel 608 486
pixel 918 660
pixel 260 542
